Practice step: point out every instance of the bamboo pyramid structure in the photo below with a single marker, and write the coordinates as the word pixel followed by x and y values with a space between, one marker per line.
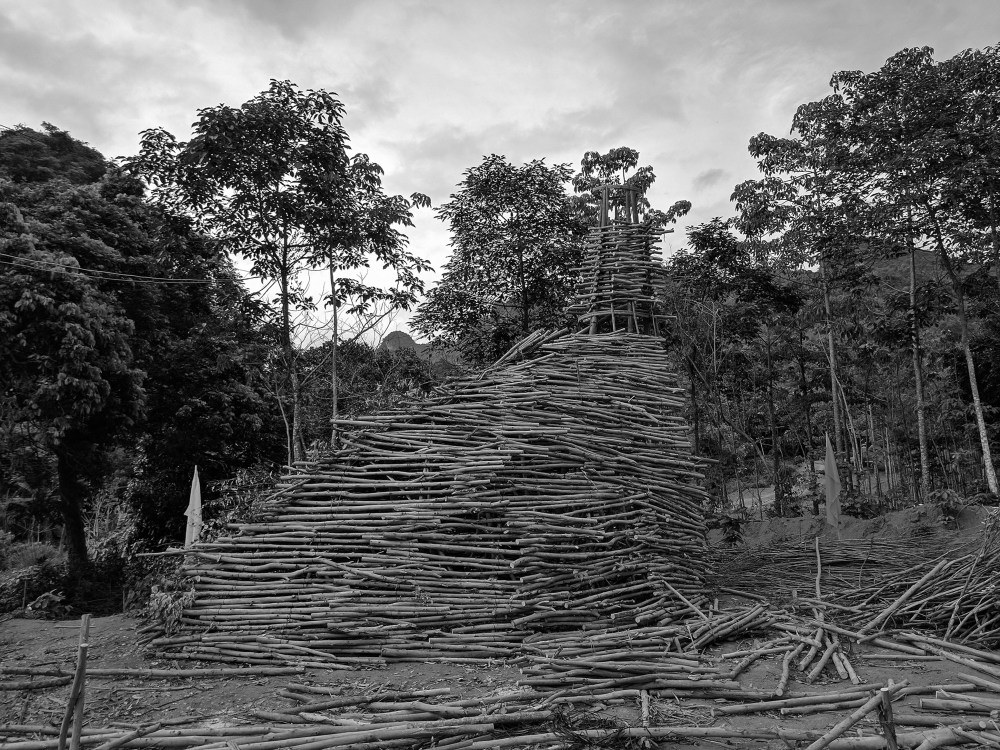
pixel 553 493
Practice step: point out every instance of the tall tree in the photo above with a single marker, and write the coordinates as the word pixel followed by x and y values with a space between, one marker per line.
pixel 272 181
pixel 27 155
pixel 912 121
pixel 66 366
pixel 797 212
pixel 613 168
pixel 514 243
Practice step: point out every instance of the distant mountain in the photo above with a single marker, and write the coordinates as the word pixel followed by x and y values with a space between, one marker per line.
pixel 441 359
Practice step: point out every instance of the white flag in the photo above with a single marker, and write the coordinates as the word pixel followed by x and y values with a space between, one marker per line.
pixel 193 512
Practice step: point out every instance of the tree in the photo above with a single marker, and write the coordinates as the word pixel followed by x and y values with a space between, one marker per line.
pixel 612 168
pixel 729 310
pixel 272 181
pixel 130 348
pixel 514 246
pixel 29 156
pixel 799 213
pixel 66 366
pixel 925 131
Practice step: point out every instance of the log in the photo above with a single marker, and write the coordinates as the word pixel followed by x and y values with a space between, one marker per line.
pixel 849 721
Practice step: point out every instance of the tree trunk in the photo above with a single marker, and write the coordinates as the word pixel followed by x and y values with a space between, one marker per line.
pixel 834 382
pixel 925 470
pixel 334 396
pixel 295 450
pixel 695 412
pixel 963 323
pixel 71 454
pixel 298 439
pixel 807 418
pixel 993 231
pixel 524 287
pixel 779 490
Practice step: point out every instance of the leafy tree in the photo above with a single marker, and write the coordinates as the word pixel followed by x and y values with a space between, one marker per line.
pixel 514 247
pixel 29 156
pixel 920 126
pixel 129 347
pixel 66 367
pixel 730 310
pixel 272 181
pixel 612 168
pixel 799 213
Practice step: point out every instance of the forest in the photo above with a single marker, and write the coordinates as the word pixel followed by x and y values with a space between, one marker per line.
pixel 155 312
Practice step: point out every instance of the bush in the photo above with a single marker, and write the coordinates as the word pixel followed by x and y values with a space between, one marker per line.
pixel 19 588
pixel 28 554
pixel 950 503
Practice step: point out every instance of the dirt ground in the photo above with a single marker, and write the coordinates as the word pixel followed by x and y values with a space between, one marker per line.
pixel 113 643
pixel 129 702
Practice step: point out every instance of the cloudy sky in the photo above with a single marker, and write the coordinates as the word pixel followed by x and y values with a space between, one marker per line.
pixel 430 86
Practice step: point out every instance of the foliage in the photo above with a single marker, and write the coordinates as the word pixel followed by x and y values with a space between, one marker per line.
pixel 111 376
pixel 730 523
pixel 612 168
pixel 893 164
pixel 65 353
pixel 517 240
pixel 27 155
pixel 272 181
pixel 236 499
pixel 514 244
pixel 165 607
pixel 370 379
pixel 21 587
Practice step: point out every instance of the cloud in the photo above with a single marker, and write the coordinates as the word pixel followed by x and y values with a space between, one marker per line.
pixel 708 178
pixel 430 86
pixel 296 22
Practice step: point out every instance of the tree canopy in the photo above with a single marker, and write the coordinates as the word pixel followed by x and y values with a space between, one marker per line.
pixel 272 181
pixel 515 243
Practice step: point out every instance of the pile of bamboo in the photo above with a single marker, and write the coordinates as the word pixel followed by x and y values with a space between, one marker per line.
pixel 617 285
pixel 952 595
pixel 848 565
pixel 943 583
pixel 554 492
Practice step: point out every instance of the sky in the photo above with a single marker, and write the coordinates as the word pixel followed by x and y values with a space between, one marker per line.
pixel 431 86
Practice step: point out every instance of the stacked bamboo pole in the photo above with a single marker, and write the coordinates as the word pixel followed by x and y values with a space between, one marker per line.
pixel 944 584
pixel 553 492
pixel 617 281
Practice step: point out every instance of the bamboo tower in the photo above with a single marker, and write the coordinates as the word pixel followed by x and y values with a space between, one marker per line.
pixel 553 492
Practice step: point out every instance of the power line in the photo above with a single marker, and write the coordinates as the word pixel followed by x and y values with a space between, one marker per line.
pixel 51 265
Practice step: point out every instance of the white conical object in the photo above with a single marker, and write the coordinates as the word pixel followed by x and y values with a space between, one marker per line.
pixel 193 512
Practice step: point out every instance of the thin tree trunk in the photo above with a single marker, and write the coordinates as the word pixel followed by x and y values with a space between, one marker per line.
pixel 284 418
pixel 963 323
pixel 807 418
pixel 779 490
pixel 524 288
pixel 71 454
pixel 695 412
pixel 925 470
pixel 834 382
pixel 298 436
pixel 993 231
pixel 334 414
pixel 296 450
